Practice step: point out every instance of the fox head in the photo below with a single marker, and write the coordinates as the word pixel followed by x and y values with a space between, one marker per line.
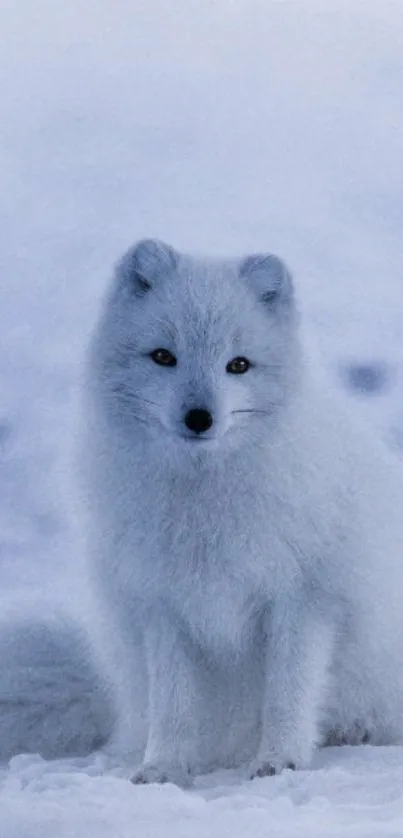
pixel 199 353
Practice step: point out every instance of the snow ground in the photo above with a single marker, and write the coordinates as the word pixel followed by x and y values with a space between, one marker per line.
pixel 350 792
pixel 220 126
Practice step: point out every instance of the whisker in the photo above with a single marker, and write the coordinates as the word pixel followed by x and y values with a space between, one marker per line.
pixel 253 410
pixel 123 390
pixel 142 399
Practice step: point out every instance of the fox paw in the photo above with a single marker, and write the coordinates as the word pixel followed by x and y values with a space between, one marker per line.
pixel 162 773
pixel 268 768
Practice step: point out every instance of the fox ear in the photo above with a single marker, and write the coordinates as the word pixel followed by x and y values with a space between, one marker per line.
pixel 145 263
pixel 271 277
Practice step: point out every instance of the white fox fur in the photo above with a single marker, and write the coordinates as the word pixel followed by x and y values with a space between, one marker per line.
pixel 52 699
pixel 248 582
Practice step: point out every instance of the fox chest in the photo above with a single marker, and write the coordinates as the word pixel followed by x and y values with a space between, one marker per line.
pixel 217 566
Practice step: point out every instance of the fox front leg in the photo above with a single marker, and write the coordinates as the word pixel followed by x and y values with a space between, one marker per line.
pixel 299 647
pixel 171 750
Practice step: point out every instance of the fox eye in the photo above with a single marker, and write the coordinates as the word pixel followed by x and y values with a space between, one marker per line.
pixel 163 357
pixel 238 366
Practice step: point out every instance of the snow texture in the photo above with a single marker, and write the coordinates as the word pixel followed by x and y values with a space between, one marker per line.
pixel 350 791
pixel 223 127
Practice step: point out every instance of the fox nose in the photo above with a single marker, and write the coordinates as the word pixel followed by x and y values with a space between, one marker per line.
pixel 198 420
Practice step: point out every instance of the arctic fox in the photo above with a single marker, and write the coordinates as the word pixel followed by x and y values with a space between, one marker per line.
pixel 245 544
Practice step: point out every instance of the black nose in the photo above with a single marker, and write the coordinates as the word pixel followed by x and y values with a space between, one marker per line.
pixel 198 420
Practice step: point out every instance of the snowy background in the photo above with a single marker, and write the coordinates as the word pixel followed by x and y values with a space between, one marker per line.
pixel 220 126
